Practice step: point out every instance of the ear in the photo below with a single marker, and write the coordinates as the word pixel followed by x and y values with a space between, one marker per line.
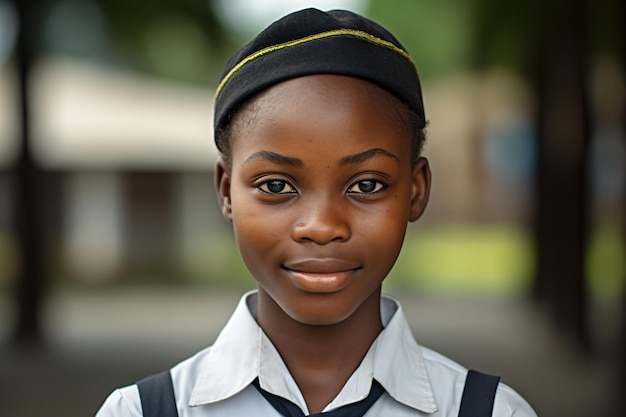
pixel 420 190
pixel 222 186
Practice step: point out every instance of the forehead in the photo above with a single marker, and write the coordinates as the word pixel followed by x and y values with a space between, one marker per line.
pixel 325 115
pixel 340 102
pixel 322 86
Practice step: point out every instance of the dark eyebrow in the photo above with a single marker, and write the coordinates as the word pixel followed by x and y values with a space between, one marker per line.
pixel 364 156
pixel 275 158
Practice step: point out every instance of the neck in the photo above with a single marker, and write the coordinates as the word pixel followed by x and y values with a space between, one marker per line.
pixel 321 358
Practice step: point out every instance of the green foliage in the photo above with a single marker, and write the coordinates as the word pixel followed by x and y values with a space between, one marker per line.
pixel 185 40
pixel 437 34
pixel 605 264
pixel 174 46
pixel 446 35
pixel 177 39
pixel 181 40
pixel 466 259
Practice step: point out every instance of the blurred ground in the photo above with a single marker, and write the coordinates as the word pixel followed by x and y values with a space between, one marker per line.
pixel 100 340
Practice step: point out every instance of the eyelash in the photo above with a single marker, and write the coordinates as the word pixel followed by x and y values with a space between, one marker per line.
pixel 264 187
pixel 378 187
pixel 266 184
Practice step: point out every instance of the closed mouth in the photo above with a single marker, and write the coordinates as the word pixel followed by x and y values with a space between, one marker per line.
pixel 321 275
pixel 321 266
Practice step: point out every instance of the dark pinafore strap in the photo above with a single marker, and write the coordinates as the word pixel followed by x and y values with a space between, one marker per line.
pixel 157 395
pixel 479 394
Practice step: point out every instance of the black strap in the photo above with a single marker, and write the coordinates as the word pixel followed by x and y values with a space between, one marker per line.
pixel 157 396
pixel 478 395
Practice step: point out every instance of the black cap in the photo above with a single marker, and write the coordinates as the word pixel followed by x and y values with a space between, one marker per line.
pixel 310 42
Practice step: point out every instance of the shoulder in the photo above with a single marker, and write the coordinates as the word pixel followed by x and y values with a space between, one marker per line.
pixel 445 373
pixel 123 402
pixel 126 402
pixel 509 403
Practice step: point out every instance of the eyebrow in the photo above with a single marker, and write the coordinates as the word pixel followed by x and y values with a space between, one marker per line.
pixel 275 158
pixel 364 156
pixel 295 162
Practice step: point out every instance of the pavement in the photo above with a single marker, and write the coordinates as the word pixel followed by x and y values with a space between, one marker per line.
pixel 99 340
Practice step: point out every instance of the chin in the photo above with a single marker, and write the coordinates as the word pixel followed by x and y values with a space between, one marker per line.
pixel 317 320
pixel 319 313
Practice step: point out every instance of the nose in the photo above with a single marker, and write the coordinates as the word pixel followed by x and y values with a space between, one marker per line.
pixel 322 221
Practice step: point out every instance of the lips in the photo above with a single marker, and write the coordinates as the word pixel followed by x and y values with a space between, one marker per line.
pixel 321 275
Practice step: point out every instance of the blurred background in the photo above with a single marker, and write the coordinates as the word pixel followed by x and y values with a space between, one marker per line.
pixel 115 261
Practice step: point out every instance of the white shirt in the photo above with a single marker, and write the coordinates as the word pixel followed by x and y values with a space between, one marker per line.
pixel 216 382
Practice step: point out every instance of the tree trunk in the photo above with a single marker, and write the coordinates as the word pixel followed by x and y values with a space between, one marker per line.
pixel 561 188
pixel 27 197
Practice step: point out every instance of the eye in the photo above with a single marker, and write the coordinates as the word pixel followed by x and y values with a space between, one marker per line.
pixel 366 187
pixel 276 187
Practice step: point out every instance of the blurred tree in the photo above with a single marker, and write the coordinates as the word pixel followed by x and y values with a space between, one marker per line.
pixel 26 202
pixel 560 76
pixel 437 34
pixel 551 44
pixel 619 13
pixel 181 40
pixel 172 38
pixel 555 44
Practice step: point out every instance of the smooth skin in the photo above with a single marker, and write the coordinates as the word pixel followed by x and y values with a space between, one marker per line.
pixel 320 188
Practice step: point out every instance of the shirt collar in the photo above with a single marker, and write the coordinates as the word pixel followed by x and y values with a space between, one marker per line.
pixel 232 363
pixel 242 352
pixel 399 365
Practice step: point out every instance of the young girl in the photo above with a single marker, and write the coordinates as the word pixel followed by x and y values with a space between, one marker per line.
pixel 320 125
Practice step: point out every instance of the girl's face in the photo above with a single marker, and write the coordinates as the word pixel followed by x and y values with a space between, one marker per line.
pixel 319 189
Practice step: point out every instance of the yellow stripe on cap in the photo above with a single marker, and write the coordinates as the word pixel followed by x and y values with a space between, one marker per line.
pixel 333 33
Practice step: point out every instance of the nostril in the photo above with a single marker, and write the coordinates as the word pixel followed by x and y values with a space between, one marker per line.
pixel 320 232
pixel 321 221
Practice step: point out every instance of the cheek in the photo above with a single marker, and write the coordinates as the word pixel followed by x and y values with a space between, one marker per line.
pixel 251 217
pixel 252 244
pixel 388 242
pixel 249 229
pixel 384 230
pixel 388 228
pixel 257 232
